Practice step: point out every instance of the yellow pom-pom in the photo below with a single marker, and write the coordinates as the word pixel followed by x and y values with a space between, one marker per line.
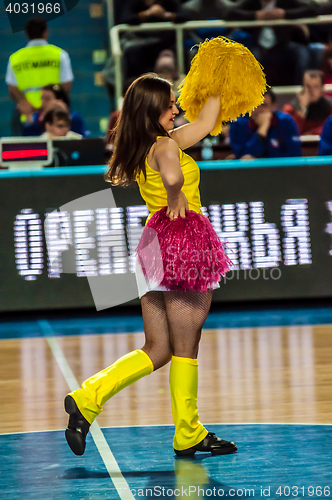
pixel 225 67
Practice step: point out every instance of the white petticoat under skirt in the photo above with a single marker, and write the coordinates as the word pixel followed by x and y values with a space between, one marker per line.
pixel 144 285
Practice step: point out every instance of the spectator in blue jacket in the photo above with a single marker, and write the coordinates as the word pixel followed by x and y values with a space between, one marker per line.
pixel 325 144
pixel 53 95
pixel 268 133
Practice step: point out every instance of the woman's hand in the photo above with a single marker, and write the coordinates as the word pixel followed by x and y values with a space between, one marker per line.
pixel 177 206
pixel 155 10
pixel 210 111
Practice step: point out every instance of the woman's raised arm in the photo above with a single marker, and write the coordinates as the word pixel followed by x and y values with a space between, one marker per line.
pixel 191 133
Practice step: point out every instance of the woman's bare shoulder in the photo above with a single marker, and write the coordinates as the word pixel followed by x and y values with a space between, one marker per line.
pixel 166 144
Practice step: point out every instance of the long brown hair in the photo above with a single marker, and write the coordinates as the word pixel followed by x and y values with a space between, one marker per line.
pixel 138 127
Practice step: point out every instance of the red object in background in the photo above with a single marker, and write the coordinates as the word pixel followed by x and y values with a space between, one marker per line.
pixel 328 80
pixel 27 153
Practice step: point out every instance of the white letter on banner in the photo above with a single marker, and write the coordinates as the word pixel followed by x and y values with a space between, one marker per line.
pixel 28 242
pixel 231 225
pixel 58 234
pixel 135 214
pixel 329 225
pixel 112 248
pixel 84 243
pixel 295 222
pixel 265 237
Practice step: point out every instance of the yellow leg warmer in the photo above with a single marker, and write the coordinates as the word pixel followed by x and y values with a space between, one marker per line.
pixel 183 381
pixel 99 388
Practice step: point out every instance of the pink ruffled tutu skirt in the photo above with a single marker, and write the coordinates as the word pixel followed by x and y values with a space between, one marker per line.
pixel 184 254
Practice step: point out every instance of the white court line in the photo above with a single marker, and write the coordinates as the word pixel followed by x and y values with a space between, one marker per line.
pixel 111 464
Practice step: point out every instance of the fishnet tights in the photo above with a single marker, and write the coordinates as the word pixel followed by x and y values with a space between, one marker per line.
pixel 173 323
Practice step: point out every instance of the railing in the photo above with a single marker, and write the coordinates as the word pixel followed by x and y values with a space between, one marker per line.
pixel 192 25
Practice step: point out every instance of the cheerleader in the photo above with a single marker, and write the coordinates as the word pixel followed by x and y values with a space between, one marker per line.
pixel 180 260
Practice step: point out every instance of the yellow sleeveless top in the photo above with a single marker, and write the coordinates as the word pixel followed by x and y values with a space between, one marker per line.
pixel 153 190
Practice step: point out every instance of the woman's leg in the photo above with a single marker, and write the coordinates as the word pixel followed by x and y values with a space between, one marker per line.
pixel 186 315
pixel 84 404
pixel 157 340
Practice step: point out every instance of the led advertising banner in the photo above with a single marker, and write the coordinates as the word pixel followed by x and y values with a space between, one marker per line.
pixel 276 223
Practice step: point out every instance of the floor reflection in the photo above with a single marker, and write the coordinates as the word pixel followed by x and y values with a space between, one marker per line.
pixel 246 375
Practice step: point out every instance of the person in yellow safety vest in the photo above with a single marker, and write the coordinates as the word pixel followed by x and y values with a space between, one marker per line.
pixel 36 65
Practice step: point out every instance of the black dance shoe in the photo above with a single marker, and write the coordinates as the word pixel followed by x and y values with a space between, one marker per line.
pixel 211 443
pixel 78 427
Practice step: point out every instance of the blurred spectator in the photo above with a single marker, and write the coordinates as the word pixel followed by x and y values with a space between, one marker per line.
pixel 284 61
pixel 321 33
pixel 206 9
pixel 325 8
pixel 211 10
pixel 310 108
pixel 268 133
pixel 142 49
pixel 52 96
pixel 57 124
pixel 327 66
pixel 166 67
pixel 36 65
pixel 142 11
pixel 325 144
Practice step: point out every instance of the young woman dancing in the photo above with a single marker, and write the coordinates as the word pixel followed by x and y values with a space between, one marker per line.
pixel 147 145
pixel 175 278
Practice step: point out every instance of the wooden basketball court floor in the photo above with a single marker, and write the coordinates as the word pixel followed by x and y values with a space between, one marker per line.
pixel 265 383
